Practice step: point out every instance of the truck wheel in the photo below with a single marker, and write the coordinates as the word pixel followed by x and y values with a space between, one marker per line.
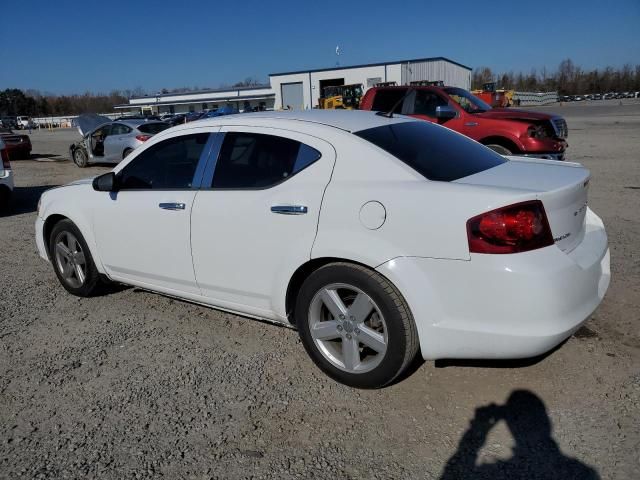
pixel 500 149
pixel 80 157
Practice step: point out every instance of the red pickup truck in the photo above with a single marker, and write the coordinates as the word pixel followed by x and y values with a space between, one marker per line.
pixel 505 130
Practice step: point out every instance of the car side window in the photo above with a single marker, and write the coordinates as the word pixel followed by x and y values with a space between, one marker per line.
pixel 384 100
pixel 103 132
pixel 426 102
pixel 119 129
pixel 254 160
pixel 170 164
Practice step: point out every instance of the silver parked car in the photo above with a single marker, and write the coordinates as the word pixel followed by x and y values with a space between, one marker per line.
pixel 107 141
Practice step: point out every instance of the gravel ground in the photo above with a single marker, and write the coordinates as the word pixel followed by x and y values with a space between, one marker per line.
pixel 137 385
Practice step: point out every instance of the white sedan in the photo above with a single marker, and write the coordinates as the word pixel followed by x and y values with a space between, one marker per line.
pixel 376 237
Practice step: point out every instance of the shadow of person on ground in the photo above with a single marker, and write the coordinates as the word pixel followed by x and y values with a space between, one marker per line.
pixel 25 200
pixel 536 455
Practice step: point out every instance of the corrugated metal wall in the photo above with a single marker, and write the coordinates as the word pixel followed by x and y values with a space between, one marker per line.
pixel 450 73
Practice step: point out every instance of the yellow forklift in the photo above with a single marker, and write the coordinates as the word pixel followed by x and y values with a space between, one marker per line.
pixel 341 96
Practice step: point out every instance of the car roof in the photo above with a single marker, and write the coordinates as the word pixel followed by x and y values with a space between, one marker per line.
pixel 348 120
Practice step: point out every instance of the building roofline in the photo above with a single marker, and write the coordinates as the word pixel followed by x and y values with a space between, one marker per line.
pixel 200 92
pixel 199 100
pixel 380 64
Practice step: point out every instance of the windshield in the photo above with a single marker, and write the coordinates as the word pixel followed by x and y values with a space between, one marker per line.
pixel 433 151
pixel 469 102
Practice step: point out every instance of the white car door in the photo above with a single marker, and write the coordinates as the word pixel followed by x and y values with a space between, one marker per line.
pixel 257 221
pixel 113 143
pixel 142 230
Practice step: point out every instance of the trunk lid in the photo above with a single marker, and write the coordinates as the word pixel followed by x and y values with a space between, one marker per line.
pixel 561 186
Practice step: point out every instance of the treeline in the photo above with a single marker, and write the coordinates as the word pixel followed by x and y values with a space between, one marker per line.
pixel 568 79
pixel 35 104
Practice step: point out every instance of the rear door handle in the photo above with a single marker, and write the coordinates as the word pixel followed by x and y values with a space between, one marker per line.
pixel 172 206
pixel 289 209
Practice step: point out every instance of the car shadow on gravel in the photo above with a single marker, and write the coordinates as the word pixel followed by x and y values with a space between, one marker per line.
pixel 536 454
pixel 25 200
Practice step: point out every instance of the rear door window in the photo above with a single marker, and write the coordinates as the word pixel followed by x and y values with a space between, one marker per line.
pixel 119 129
pixel 254 160
pixel 435 152
pixel 384 100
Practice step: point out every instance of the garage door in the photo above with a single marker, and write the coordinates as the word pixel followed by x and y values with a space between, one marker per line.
pixel 292 95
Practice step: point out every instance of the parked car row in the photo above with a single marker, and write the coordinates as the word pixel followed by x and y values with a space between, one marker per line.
pixel 599 96
pixel 381 235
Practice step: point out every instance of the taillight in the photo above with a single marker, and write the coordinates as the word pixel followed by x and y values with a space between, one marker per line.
pixel 4 153
pixel 512 229
pixel 143 138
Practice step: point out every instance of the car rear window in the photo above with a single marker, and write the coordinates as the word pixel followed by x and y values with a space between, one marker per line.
pixel 153 128
pixel 434 152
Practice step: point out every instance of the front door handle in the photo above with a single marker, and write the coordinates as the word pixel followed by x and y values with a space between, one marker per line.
pixel 471 124
pixel 172 206
pixel 289 209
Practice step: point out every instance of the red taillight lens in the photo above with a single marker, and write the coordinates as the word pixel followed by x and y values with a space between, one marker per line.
pixel 516 228
pixel 143 138
pixel 4 153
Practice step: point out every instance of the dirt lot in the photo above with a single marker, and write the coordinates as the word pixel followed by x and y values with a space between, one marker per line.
pixel 136 385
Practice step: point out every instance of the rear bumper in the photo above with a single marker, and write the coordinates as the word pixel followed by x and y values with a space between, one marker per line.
pixel 504 306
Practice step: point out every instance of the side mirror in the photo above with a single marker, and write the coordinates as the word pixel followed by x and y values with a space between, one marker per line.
pixel 445 112
pixel 107 182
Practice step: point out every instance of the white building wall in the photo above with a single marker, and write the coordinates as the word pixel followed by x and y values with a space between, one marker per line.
pixel 432 70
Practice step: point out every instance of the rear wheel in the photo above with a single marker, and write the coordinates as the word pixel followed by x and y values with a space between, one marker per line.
pixel 80 157
pixel 126 152
pixel 500 149
pixel 355 325
pixel 72 260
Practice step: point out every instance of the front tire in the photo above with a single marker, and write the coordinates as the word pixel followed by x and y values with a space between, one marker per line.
pixel 80 157
pixel 355 325
pixel 500 149
pixel 72 260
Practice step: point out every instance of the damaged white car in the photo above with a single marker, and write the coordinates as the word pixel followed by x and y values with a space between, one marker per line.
pixel 107 141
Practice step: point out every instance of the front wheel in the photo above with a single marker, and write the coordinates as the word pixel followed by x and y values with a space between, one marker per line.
pixel 72 260
pixel 80 157
pixel 355 325
pixel 500 149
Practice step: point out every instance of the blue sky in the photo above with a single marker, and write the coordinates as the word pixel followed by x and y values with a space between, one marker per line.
pixel 74 46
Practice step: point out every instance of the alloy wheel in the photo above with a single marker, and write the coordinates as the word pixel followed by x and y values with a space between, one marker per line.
pixel 348 328
pixel 70 259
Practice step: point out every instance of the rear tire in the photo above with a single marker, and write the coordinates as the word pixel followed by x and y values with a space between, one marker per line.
pixel 126 152
pixel 372 341
pixel 80 157
pixel 500 149
pixel 72 260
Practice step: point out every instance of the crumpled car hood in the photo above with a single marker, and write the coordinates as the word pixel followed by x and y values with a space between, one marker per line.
pixel 88 122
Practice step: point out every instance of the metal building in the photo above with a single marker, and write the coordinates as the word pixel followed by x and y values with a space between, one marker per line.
pixel 301 89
